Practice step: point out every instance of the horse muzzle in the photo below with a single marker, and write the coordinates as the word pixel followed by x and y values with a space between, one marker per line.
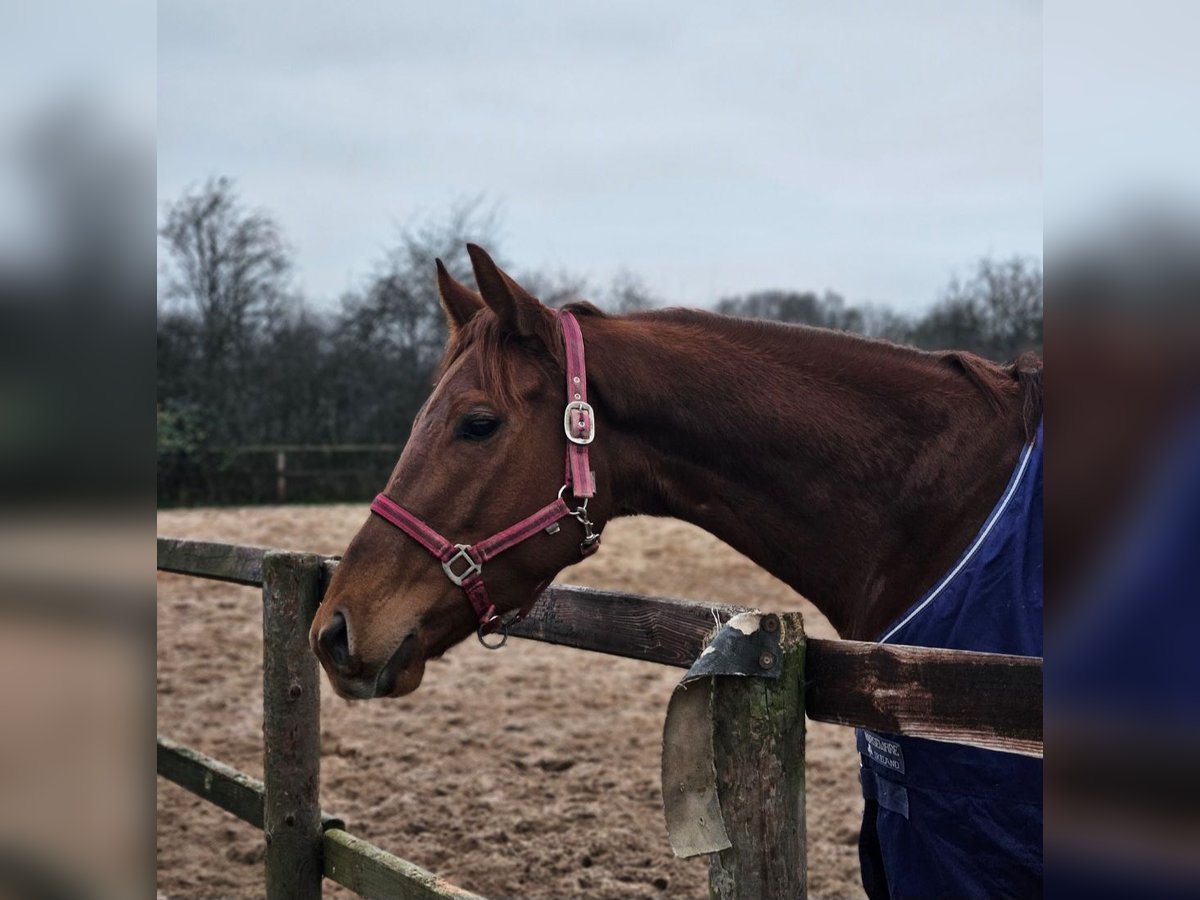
pixel 354 678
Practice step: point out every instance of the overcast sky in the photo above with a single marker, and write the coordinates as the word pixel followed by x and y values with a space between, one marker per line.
pixel 711 148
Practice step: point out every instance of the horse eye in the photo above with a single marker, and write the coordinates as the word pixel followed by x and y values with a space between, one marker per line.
pixel 478 428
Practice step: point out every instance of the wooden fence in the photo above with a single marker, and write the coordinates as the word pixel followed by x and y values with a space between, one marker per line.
pixel 982 699
pixel 282 473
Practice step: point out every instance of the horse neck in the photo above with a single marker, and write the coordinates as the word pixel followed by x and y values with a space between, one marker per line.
pixel 854 470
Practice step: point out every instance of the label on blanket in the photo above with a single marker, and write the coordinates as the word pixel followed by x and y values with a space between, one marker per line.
pixel 886 753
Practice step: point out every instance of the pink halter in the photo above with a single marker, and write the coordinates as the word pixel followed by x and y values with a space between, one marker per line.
pixel 463 563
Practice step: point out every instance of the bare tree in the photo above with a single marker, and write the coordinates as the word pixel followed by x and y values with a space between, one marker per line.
pixel 629 293
pixel 1011 293
pixel 878 320
pixel 389 334
pixel 786 306
pixel 626 292
pixel 995 311
pixel 228 264
pixel 226 278
pixel 556 289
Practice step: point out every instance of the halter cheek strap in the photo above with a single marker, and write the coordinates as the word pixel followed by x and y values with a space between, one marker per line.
pixel 463 563
pixel 579 421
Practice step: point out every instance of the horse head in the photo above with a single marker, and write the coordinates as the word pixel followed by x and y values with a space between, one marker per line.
pixel 477 516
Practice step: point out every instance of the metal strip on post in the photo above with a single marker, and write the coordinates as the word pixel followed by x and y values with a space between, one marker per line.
pixel 758 755
pixel 291 727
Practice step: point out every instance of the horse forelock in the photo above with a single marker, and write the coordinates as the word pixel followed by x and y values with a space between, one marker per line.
pixel 496 351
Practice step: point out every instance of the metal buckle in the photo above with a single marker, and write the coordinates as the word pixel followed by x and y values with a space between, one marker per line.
pixel 472 566
pixel 583 407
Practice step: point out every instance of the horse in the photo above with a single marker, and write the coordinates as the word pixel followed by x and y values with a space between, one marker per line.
pixel 855 470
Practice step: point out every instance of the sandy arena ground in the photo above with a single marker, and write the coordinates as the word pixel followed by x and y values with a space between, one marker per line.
pixel 532 772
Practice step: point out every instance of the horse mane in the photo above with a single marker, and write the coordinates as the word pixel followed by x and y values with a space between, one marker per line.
pixel 991 379
pixel 1027 370
pixel 494 357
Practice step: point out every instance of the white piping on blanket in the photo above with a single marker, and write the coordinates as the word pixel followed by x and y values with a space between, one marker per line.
pixel 983 533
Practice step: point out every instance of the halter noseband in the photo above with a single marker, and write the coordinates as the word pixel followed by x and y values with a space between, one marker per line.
pixel 463 563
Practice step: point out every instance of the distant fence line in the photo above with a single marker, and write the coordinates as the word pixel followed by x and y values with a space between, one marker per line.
pixel 273 473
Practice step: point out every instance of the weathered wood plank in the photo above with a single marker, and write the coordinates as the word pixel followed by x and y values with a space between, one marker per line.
pixel 222 562
pixel 208 778
pixel 374 873
pixel 348 860
pixel 222 785
pixel 656 629
pixel 663 630
pixel 989 700
pixel 758 753
pixel 291 727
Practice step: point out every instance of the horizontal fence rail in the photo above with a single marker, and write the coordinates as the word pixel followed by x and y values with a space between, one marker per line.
pixel 989 700
pixel 218 783
pixel 219 562
pixel 986 700
pixel 280 472
pixel 348 860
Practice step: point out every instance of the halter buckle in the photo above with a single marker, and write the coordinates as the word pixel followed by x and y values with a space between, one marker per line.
pixel 473 568
pixel 583 413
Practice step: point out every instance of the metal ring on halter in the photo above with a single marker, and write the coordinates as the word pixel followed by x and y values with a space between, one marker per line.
pixel 582 508
pixel 503 632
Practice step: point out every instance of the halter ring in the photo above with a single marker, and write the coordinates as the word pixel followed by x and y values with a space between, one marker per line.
pixel 582 507
pixel 503 632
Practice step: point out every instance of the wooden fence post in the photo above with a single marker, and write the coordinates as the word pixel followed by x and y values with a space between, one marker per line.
pixel 758 747
pixel 281 476
pixel 291 727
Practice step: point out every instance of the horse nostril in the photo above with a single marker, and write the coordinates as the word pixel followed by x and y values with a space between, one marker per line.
pixel 335 642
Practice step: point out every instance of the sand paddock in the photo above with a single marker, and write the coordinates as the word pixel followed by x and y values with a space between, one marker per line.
pixel 531 772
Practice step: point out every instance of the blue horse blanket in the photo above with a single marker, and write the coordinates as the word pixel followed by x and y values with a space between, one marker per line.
pixel 944 820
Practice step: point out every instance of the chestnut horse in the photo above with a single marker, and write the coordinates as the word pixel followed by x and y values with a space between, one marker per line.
pixel 854 470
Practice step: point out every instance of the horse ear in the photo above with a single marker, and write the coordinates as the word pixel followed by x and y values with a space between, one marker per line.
pixel 519 311
pixel 458 300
